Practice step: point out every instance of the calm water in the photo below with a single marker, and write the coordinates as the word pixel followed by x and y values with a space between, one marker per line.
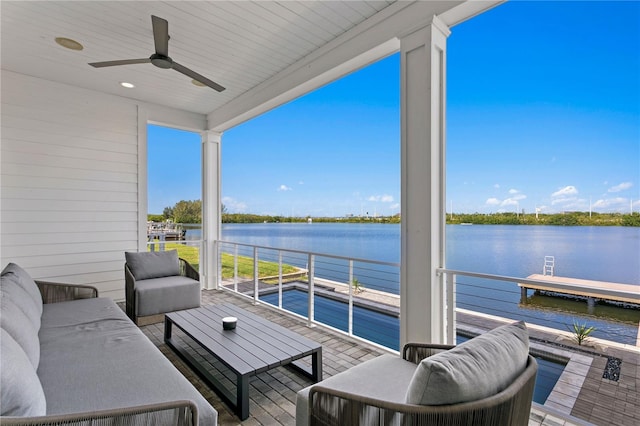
pixel 597 253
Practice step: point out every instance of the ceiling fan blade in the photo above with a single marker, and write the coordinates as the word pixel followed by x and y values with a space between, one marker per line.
pixel 194 75
pixel 122 62
pixel 160 35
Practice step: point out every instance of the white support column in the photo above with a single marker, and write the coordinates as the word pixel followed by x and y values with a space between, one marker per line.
pixel 423 72
pixel 211 200
pixel 143 191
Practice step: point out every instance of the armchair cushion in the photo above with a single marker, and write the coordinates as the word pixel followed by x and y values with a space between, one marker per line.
pixel 21 392
pixel 385 378
pixel 476 369
pixel 146 265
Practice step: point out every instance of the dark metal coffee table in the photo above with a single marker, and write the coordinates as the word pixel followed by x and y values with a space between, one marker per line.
pixel 254 346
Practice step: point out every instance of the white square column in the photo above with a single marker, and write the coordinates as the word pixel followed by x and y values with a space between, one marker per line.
pixel 423 102
pixel 211 205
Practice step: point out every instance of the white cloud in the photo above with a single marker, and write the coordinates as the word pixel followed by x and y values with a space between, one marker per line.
pixel 284 188
pixel 234 206
pixel 612 204
pixel 513 191
pixel 621 187
pixel 492 202
pixel 513 201
pixel 382 198
pixel 567 190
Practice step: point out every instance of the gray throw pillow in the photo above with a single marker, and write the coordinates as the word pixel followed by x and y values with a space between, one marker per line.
pixel 21 392
pixel 11 292
pixel 24 280
pixel 15 322
pixel 153 264
pixel 475 369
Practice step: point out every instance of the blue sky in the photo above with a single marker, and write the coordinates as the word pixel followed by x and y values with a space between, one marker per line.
pixel 543 111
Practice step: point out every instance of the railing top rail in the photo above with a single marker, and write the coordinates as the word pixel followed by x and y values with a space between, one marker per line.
pixel 333 256
pixel 558 285
pixel 173 241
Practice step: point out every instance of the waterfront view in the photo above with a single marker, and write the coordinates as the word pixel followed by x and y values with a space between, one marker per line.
pixel 596 253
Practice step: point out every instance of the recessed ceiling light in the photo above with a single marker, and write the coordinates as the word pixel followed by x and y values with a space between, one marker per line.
pixel 68 43
pixel 127 85
pixel 197 83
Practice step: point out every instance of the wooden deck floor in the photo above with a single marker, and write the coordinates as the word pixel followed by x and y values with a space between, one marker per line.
pixel 585 288
pixel 272 394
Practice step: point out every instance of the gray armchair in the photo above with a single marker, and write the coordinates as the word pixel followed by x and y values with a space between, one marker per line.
pixel 472 384
pixel 157 283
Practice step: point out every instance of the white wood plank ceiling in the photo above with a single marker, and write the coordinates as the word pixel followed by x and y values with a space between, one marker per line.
pixel 236 44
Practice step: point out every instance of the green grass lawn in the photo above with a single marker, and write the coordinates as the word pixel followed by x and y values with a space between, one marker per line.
pixel 245 264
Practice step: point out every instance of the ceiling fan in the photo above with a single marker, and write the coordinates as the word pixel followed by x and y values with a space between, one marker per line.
pixel 161 58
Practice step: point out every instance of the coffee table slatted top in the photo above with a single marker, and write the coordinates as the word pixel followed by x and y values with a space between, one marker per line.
pixel 256 345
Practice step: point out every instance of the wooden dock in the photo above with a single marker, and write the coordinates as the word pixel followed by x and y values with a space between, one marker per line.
pixel 616 292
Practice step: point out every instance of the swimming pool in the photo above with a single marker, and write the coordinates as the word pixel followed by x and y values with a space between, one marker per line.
pixel 384 329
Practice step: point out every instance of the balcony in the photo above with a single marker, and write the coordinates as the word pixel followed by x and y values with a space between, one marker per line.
pixel 272 394
pixel 596 383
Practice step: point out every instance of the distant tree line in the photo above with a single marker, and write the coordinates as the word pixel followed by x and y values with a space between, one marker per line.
pixel 560 219
pixel 255 218
pixel 191 212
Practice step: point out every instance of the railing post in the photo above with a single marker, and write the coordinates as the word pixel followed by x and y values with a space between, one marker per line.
pixel 310 318
pixel 217 254
pixel 350 297
pixel 451 308
pixel 255 275
pixel 235 268
pixel 280 279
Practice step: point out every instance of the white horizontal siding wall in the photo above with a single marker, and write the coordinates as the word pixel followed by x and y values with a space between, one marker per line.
pixel 70 186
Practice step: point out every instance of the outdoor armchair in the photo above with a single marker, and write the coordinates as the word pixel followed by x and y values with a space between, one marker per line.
pixel 393 390
pixel 157 283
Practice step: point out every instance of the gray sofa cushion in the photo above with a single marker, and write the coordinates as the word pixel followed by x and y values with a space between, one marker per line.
pixel 17 284
pixel 12 292
pixel 21 393
pixel 108 362
pixel 168 294
pixel 154 264
pixel 20 327
pixel 24 280
pixel 385 377
pixel 475 369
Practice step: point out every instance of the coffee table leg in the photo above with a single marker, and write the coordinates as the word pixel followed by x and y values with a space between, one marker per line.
pixel 316 366
pixel 167 329
pixel 242 396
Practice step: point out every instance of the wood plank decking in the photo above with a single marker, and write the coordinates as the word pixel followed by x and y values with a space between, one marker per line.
pixel 272 397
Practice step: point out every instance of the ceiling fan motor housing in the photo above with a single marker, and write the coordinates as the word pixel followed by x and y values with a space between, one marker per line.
pixel 161 61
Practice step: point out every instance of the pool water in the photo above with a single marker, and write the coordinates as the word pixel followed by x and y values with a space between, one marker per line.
pixel 384 329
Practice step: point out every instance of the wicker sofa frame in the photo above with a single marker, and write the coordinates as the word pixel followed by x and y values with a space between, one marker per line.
pixel 181 412
pixel 508 408
pixel 186 270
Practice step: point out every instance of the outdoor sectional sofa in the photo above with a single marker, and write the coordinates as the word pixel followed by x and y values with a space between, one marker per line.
pixel 69 357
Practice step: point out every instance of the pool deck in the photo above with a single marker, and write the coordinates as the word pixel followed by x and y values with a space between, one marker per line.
pixel 581 397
